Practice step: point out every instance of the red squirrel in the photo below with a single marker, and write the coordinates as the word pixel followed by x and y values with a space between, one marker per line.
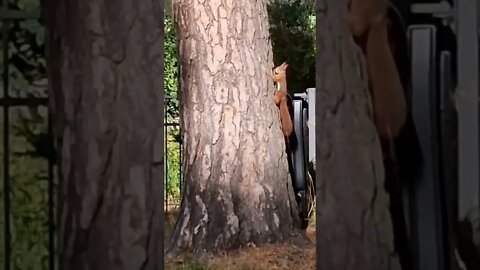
pixel 279 76
pixel 368 25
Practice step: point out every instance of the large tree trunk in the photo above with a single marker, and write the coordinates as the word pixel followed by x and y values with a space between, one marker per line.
pixel 106 64
pixel 237 188
pixel 355 228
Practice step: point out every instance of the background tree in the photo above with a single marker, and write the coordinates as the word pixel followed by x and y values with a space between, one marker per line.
pixel 105 70
pixel 237 189
pixel 292 30
pixel 352 208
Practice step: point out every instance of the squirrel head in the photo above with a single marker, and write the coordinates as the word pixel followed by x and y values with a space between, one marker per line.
pixel 280 70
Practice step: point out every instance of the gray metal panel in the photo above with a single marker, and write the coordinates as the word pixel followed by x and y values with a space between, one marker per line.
pixel 298 153
pixel 467 106
pixel 311 124
pixel 427 227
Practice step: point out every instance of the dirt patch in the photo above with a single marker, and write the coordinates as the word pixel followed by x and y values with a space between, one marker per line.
pixel 279 256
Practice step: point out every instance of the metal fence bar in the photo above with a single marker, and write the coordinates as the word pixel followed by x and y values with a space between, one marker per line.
pixel 51 201
pixel 180 147
pixel 6 15
pixel 168 125
pixel 6 145
pixel 28 102
pixel 52 194
pixel 11 14
pixel 166 159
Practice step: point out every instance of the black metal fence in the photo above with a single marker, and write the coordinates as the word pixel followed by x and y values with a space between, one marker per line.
pixel 28 210
pixel 173 170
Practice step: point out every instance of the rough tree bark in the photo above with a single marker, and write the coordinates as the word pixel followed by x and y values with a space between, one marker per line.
pixel 106 64
pixel 237 189
pixel 354 224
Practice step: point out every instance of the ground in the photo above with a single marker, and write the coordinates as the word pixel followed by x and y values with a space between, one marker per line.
pixel 279 256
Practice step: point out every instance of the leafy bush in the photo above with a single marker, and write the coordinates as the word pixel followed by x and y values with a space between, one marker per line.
pixel 170 71
pixel 172 175
pixel 292 30
pixel 172 147
pixel 29 195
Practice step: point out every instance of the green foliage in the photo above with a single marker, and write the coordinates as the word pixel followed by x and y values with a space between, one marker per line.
pixel 171 71
pixel 28 144
pixel 172 167
pixel 193 265
pixel 292 31
pixel 27 53
pixel 172 147
pixel 29 206
pixel 172 176
pixel 29 6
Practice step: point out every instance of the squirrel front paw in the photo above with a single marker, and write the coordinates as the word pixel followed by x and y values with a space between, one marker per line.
pixel 277 98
